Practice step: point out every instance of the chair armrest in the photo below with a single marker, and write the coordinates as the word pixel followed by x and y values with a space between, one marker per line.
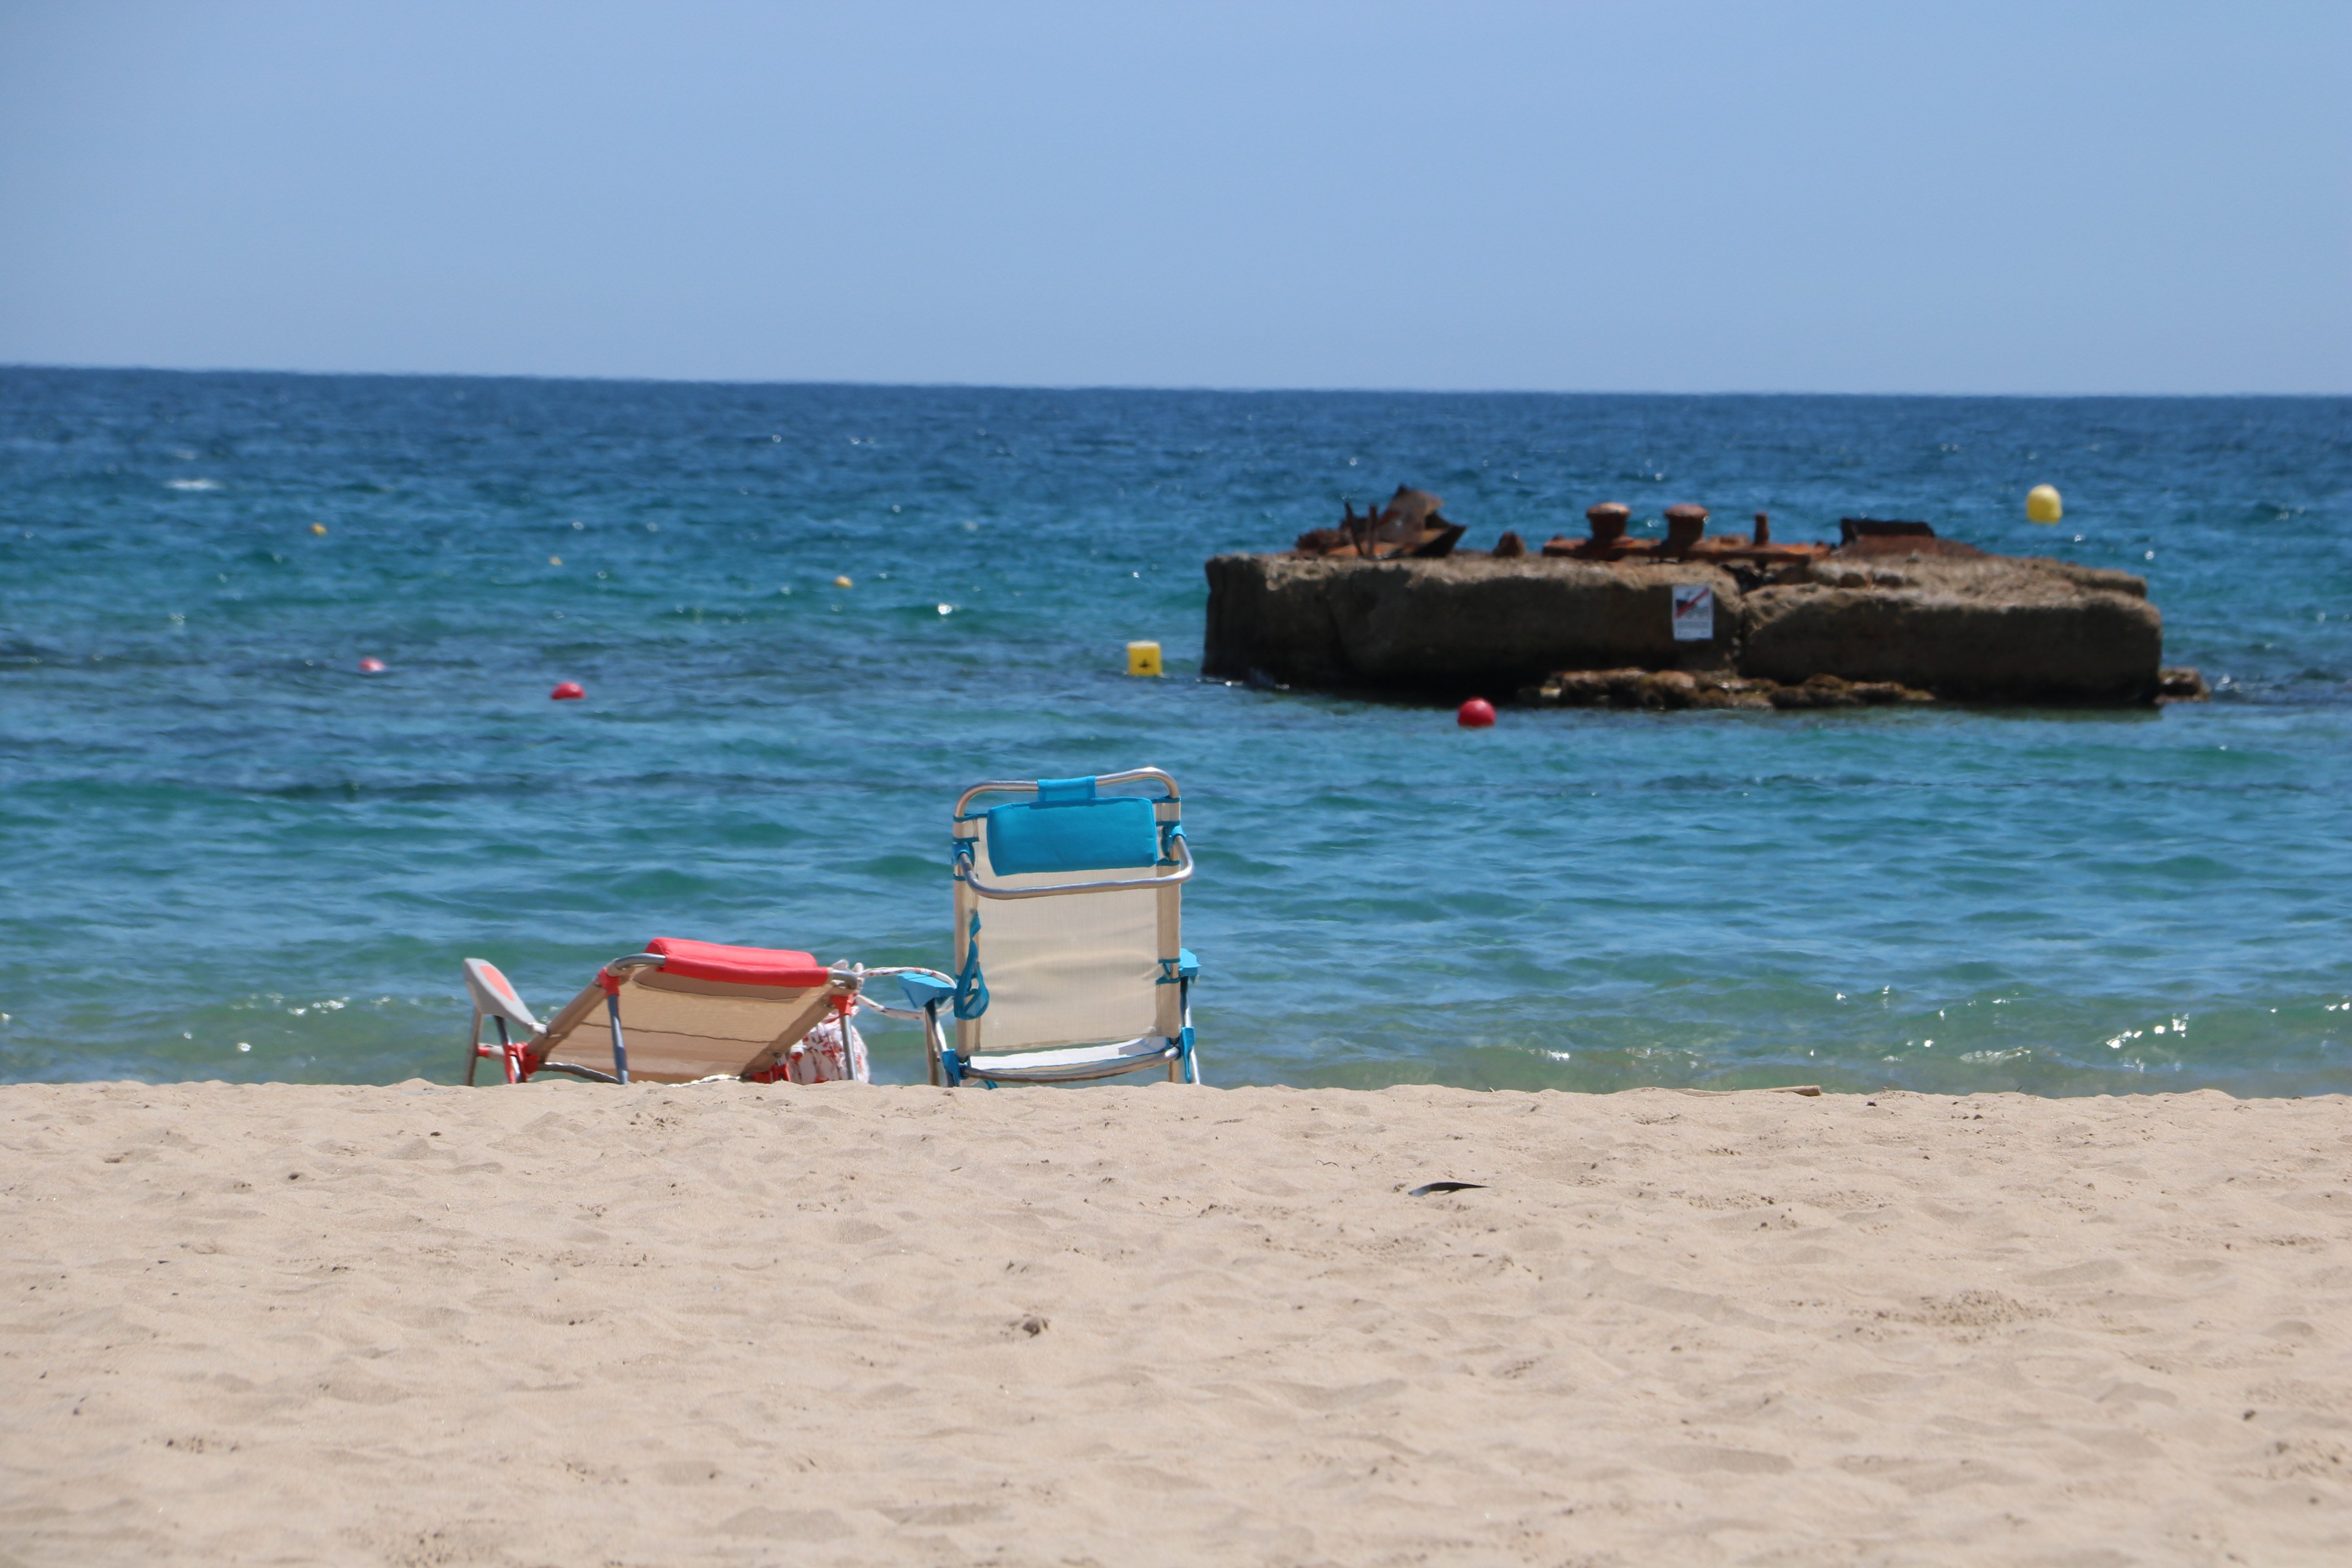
pixel 926 990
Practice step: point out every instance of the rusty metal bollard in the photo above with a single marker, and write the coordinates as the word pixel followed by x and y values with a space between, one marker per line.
pixel 1685 526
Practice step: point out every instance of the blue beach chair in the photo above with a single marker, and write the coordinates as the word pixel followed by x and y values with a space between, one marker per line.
pixel 1068 936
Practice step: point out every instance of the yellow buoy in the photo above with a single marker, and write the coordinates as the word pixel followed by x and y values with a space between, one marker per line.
pixel 841 582
pixel 1143 658
pixel 2042 504
pixel 318 528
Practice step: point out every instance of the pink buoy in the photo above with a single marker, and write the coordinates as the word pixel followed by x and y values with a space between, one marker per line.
pixel 567 692
pixel 1475 714
pixel 371 667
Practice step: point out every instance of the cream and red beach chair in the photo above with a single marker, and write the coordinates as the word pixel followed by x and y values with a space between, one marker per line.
pixel 681 1012
pixel 1070 962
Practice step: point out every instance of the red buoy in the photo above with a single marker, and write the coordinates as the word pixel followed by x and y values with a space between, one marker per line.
pixel 1475 714
pixel 572 692
pixel 371 667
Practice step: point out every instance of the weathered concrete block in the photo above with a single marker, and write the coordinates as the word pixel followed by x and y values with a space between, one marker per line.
pixel 1996 629
pixel 1463 621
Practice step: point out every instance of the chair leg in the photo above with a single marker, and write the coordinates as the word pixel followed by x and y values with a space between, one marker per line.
pixel 620 1048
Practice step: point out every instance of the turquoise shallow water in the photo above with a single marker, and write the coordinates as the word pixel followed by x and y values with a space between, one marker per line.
pixel 224 853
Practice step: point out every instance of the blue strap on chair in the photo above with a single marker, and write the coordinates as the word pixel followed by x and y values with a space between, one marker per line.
pixel 1181 971
pixel 971 988
pixel 926 993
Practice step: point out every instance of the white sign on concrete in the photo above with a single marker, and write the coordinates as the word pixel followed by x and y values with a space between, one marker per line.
pixel 1694 613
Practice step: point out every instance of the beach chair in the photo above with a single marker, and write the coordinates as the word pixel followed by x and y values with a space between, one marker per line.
pixel 681 1012
pixel 1068 925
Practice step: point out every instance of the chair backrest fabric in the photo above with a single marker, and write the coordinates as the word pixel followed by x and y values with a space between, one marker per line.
pixel 703 1013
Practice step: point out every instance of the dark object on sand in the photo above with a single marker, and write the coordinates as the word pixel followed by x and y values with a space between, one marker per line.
pixel 1809 1091
pixel 1426 1188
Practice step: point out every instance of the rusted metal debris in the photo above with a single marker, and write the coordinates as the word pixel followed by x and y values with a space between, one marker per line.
pixel 1687 539
pixel 1411 524
pixel 1685 526
pixel 1852 527
pixel 1890 536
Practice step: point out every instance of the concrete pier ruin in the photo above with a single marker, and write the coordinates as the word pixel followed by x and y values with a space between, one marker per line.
pixel 1894 612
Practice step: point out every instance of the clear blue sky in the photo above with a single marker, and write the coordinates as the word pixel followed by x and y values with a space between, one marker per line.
pixel 2045 197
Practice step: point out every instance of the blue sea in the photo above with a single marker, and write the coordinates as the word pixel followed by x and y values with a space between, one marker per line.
pixel 226 853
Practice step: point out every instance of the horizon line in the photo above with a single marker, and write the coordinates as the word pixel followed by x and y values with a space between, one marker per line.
pixel 1197 388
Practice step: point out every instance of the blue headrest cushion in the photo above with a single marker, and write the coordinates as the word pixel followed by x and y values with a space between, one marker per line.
pixel 1109 833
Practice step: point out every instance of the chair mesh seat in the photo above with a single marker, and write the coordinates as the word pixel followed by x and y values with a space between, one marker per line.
pixel 1079 1062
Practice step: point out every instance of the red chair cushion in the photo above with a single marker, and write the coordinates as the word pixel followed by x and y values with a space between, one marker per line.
pixel 737 965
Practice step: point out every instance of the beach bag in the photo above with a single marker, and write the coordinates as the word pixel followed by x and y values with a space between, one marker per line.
pixel 817 1057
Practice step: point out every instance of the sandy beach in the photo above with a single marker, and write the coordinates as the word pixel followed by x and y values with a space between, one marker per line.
pixel 566 1324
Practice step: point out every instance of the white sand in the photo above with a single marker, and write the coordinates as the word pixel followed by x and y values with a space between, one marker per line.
pixel 567 1324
